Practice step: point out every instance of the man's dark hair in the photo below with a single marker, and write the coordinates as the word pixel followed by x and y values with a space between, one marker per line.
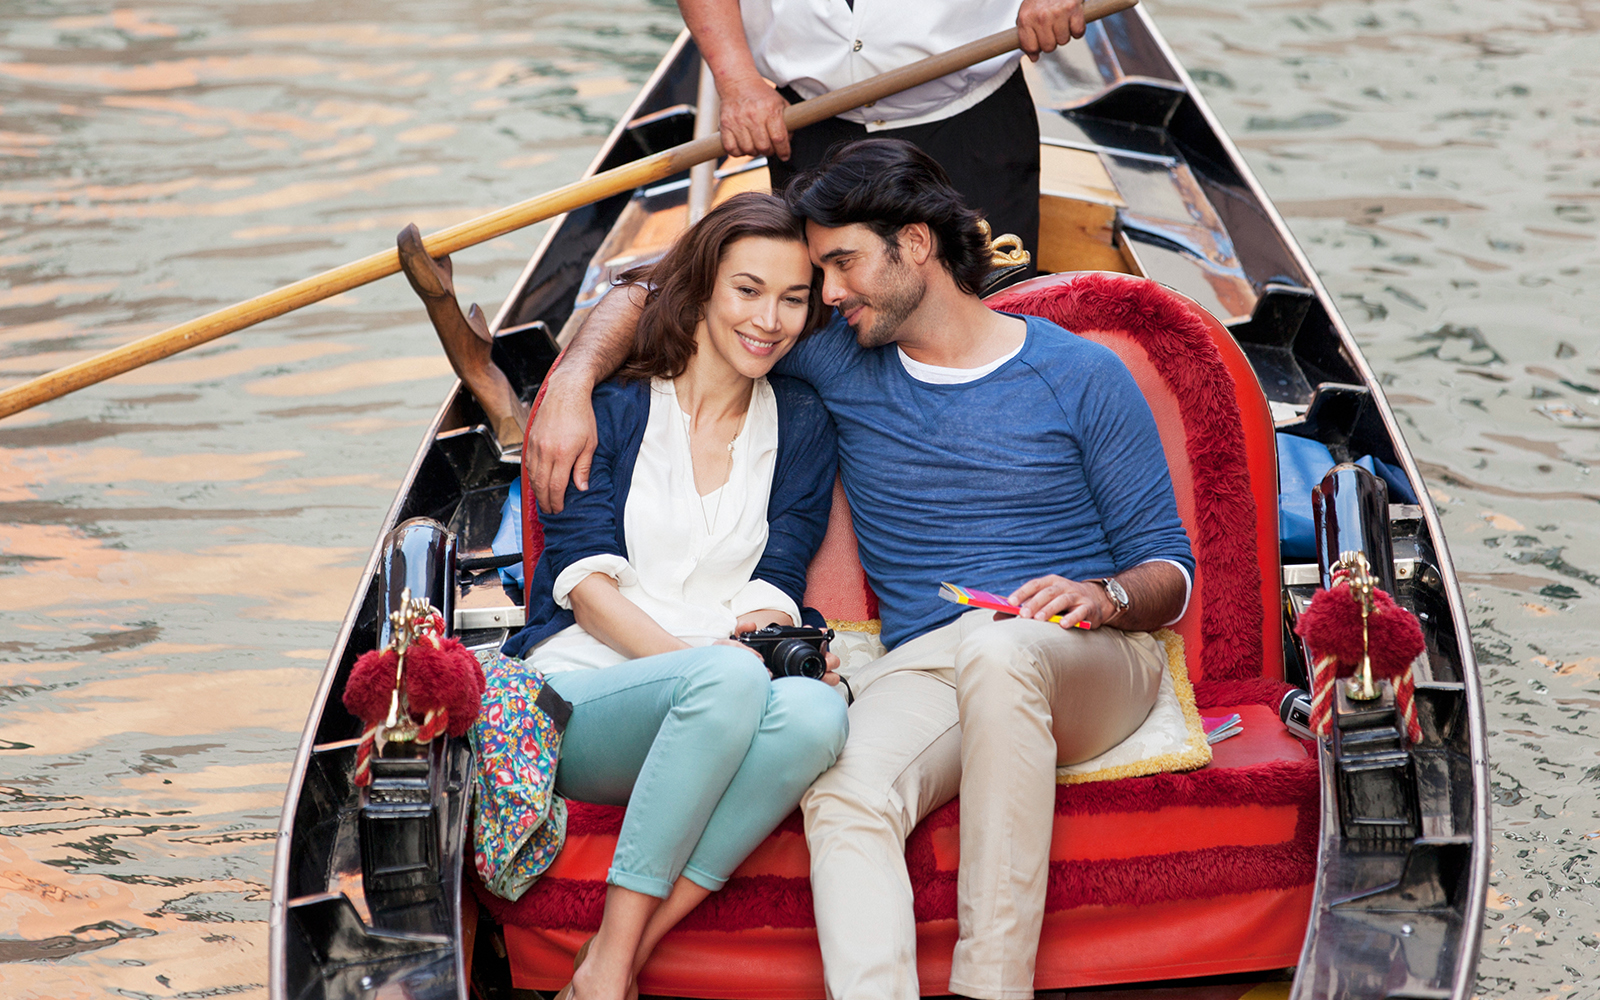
pixel 885 184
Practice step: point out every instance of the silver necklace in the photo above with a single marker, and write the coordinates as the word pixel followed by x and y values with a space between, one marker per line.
pixel 709 522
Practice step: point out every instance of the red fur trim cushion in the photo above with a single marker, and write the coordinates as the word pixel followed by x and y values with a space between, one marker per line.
pixel 1255 691
pixel 780 901
pixel 1180 347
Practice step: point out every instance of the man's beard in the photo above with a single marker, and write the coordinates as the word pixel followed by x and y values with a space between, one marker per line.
pixel 891 306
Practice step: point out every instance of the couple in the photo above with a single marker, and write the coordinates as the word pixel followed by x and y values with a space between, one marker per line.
pixel 988 450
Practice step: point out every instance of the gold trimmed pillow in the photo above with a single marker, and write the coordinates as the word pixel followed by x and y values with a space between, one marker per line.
pixel 1172 737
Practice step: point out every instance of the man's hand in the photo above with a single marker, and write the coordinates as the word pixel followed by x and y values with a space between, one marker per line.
pixel 752 119
pixel 560 446
pixel 1044 24
pixel 1055 595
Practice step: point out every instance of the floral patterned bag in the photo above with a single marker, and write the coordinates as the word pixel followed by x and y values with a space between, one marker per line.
pixel 521 823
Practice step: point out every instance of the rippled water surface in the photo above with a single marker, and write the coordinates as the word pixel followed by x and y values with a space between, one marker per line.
pixel 177 546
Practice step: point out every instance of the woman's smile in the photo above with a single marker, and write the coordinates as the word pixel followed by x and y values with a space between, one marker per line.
pixel 760 348
pixel 758 305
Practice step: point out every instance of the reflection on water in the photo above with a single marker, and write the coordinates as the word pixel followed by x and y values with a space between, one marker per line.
pixel 177 546
pixel 1440 163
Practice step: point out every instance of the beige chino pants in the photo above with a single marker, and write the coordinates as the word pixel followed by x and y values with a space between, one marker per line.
pixel 986 709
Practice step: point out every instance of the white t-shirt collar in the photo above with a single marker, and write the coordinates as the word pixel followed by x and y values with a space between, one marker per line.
pixel 938 375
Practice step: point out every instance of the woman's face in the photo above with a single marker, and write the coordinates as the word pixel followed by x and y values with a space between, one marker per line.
pixel 758 304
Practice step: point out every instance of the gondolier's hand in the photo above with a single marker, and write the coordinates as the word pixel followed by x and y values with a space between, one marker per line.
pixel 1056 595
pixel 561 443
pixel 752 119
pixel 1042 25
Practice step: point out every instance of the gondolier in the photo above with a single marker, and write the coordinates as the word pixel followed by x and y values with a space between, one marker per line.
pixel 979 123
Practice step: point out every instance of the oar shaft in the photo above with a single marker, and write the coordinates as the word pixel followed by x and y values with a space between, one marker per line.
pixel 486 227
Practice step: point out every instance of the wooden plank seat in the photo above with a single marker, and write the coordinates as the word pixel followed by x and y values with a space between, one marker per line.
pixel 1166 876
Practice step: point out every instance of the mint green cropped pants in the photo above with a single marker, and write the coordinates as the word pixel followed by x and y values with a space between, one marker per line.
pixel 708 753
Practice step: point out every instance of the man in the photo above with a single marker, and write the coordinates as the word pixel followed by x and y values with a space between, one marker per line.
pixel 989 451
pixel 979 123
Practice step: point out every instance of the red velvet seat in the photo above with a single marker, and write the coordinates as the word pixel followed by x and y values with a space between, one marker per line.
pixel 1159 877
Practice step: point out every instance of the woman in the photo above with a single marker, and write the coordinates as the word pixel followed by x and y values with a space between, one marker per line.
pixel 708 494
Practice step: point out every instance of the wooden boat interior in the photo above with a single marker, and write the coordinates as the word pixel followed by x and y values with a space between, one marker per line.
pixel 1276 855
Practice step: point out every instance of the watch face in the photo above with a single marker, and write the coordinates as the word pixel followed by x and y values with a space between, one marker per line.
pixel 1118 595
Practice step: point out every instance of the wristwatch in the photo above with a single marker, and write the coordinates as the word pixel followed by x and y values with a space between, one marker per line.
pixel 1118 596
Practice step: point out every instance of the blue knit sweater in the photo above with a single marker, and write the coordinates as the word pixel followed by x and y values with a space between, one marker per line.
pixel 591 521
pixel 1049 464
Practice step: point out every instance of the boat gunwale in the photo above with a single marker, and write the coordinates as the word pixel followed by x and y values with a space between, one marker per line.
pixel 1477 895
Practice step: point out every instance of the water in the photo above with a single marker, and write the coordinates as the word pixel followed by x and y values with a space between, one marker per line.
pixel 179 544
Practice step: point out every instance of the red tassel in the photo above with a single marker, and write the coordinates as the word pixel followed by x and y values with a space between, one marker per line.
pixel 1405 701
pixel 444 689
pixel 1331 627
pixel 1322 696
pixel 363 775
pixel 366 693
pixel 441 674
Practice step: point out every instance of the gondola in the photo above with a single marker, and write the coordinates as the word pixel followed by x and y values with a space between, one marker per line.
pixel 1351 865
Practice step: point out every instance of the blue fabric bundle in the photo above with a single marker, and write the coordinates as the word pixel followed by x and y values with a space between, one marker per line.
pixel 509 538
pixel 1302 463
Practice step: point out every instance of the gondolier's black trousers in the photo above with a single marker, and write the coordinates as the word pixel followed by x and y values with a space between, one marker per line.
pixel 990 151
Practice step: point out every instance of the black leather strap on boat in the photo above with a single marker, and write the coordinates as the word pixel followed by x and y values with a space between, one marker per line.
pixel 477 564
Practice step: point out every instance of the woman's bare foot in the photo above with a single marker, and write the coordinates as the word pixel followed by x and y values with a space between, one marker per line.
pixel 604 976
pixel 466 338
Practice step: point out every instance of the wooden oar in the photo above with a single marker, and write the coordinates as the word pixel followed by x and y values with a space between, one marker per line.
pixel 486 227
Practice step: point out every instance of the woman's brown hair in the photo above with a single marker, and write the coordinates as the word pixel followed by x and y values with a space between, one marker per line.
pixel 678 285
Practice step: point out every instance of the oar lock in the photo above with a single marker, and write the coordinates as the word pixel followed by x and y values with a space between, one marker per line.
pixel 1004 251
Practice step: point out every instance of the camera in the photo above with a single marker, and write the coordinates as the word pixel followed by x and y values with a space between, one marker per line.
pixel 1295 711
pixel 791 650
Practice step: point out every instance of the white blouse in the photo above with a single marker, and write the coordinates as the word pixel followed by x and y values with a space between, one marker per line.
pixel 690 558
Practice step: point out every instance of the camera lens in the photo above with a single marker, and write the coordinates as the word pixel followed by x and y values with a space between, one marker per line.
pixel 796 658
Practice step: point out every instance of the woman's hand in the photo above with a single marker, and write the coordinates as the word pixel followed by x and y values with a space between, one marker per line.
pixel 832 660
pixel 761 619
pixel 607 615
pixel 751 621
pixel 736 644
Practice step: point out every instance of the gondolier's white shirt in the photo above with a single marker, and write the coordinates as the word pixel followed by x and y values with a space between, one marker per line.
pixel 816 46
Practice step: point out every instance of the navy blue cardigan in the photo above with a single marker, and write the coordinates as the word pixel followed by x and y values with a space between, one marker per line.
pixel 591 521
